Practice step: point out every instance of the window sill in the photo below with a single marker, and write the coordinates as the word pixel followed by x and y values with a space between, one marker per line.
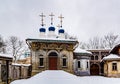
pixel 41 67
pixel 64 66
pixel 114 70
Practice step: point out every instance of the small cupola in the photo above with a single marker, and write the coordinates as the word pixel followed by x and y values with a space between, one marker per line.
pixel 51 29
pixel 61 31
pixel 42 30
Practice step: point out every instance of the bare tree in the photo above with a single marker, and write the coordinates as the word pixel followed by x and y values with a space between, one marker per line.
pixel 2 45
pixel 106 42
pixel 111 40
pixel 102 43
pixel 16 47
pixel 84 45
pixel 94 43
pixel 69 36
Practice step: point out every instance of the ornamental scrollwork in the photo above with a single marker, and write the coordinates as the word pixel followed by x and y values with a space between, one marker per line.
pixel 53 46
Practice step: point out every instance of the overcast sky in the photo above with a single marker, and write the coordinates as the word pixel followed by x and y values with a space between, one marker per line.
pixel 82 18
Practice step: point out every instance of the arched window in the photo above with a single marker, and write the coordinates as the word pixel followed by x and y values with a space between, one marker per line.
pixel 92 57
pixel 96 57
pixel 87 65
pixel 64 61
pixel 41 61
pixel 79 64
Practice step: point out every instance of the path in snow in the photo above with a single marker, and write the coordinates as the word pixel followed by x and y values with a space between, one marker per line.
pixel 62 77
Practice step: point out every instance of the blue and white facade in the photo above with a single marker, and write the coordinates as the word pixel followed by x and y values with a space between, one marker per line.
pixel 82 62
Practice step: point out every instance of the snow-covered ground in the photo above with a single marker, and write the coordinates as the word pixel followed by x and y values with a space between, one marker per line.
pixel 62 77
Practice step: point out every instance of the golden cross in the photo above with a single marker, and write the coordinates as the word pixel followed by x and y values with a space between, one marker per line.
pixel 42 16
pixel 61 18
pixel 51 18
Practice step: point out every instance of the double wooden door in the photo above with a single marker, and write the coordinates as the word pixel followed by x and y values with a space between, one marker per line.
pixel 52 63
pixel 94 69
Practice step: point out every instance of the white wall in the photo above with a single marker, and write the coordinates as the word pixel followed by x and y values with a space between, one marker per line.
pixel 83 63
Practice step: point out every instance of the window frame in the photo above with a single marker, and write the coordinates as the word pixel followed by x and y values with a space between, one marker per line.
pixel 114 66
pixel 41 57
pixel 87 64
pixel 79 64
pixel 92 57
pixel 64 58
pixel 96 57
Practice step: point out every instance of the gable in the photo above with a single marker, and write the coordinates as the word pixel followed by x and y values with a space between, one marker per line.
pixel 116 50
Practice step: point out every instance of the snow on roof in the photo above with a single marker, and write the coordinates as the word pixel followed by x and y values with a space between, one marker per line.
pixel 6 55
pixel 79 50
pixel 16 64
pixel 99 49
pixel 111 57
pixel 57 39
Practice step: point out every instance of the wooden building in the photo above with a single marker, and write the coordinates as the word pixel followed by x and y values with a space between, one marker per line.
pixel 11 71
pixel 22 68
pixel 96 67
pixel 112 63
pixel 5 63
pixel 20 71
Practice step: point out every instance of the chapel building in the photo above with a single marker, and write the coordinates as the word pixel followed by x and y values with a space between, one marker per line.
pixel 51 51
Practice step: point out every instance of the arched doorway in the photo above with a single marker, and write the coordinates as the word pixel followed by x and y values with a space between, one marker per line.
pixel 53 61
pixel 94 69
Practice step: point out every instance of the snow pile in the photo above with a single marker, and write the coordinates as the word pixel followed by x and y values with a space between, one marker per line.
pixel 98 80
pixel 49 77
pixel 78 50
pixel 61 77
pixel 111 56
